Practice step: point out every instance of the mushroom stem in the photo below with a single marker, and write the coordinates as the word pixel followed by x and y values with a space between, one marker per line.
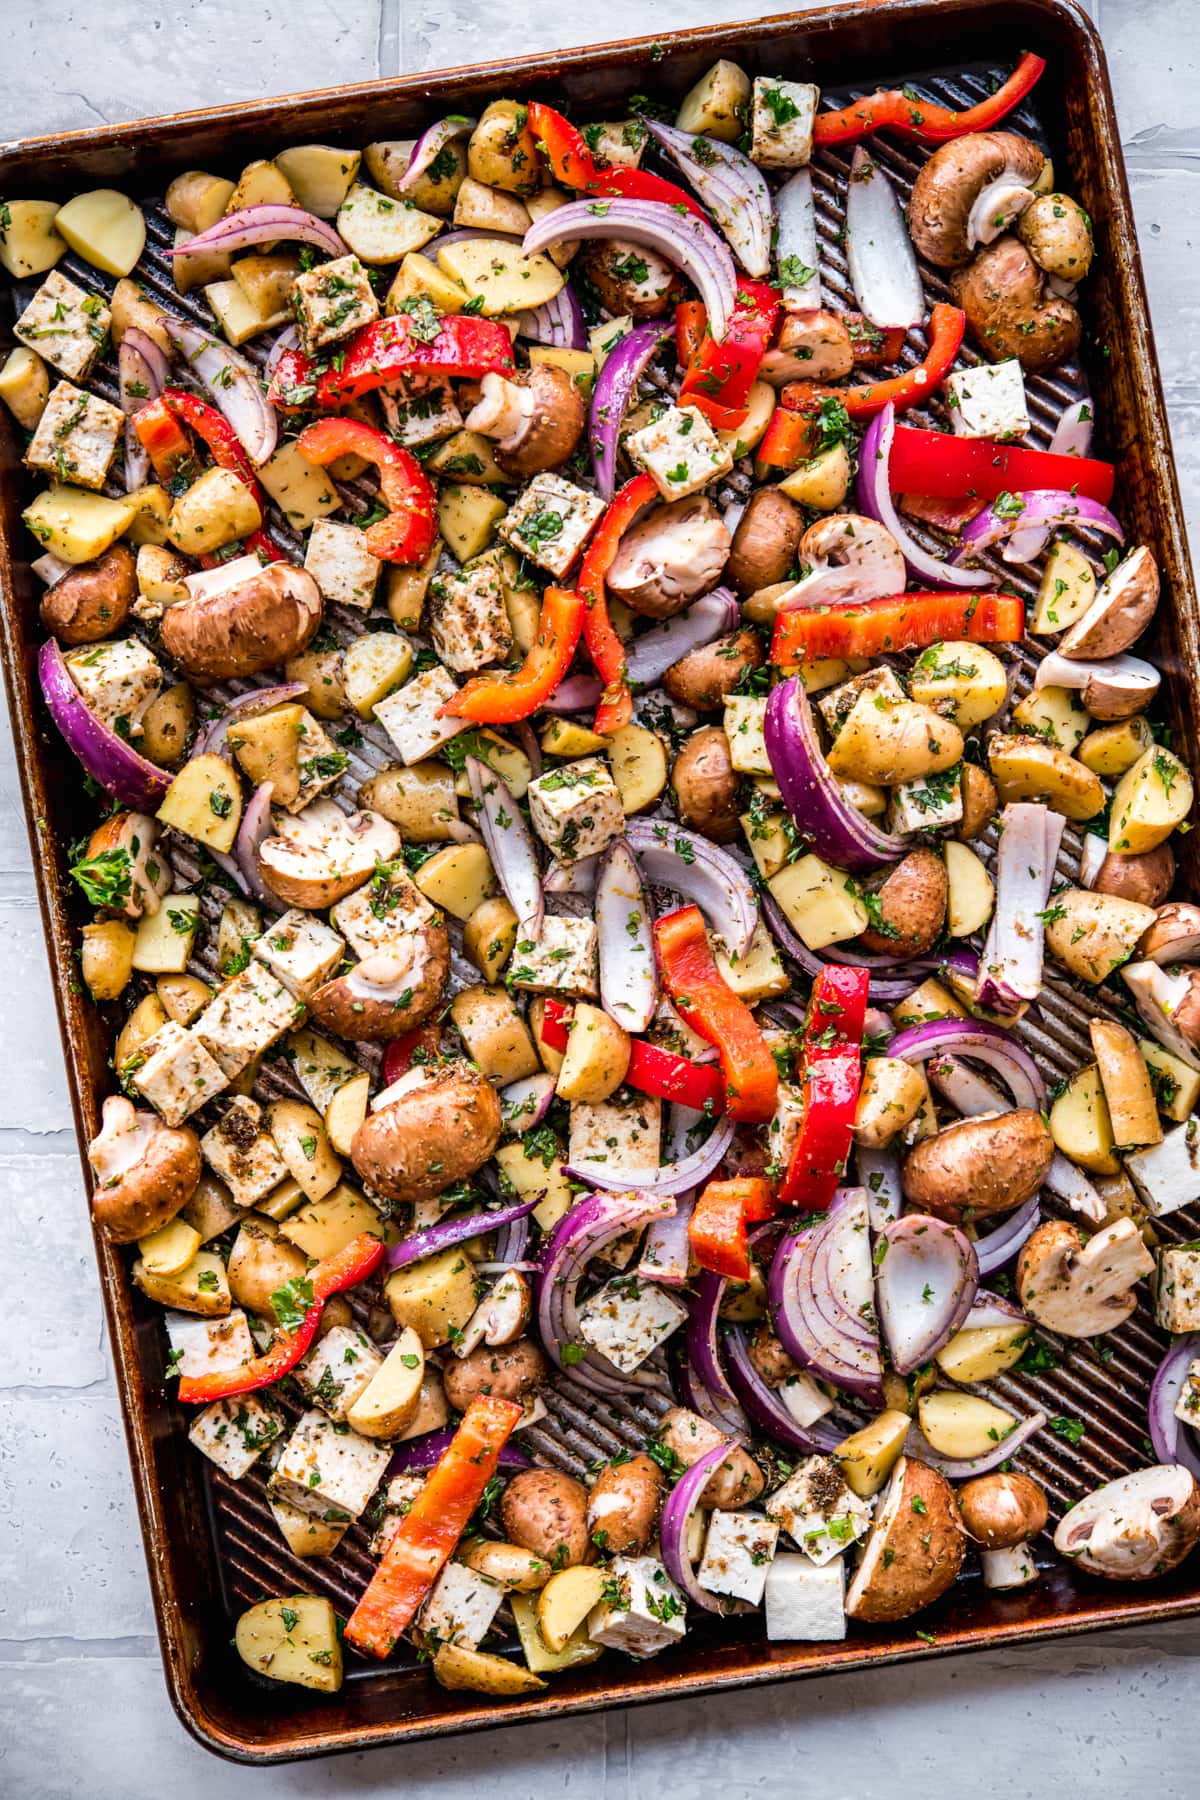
pixel 995 208
pixel 503 410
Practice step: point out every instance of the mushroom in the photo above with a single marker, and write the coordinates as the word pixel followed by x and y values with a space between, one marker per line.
pixel 145 1171
pixel 133 835
pixel 706 788
pixel 1082 1287
pixel 537 418
pixel 1168 1004
pixel 390 992
pixel 1121 611
pixel 969 191
pixel 1002 1510
pixel 766 542
pixel 512 1372
pixel 703 677
pixel 545 1511
pixel 320 855
pixel 624 1503
pixel 914 1549
pixel 848 557
pixel 735 1482
pixel 813 346
pixel 1135 1527
pixel 630 279
pixel 1174 936
pixel 673 554
pixel 92 600
pixel 1009 311
pixel 1145 877
pixel 424 1134
pixel 1114 688
pixel 242 618
pixel 771 1359
pixel 501 1316
pixel 912 907
pixel 979 1166
pixel 1058 235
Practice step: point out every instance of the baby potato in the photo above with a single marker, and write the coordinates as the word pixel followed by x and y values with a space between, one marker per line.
pixel 513 1569
pixel 495 1034
pixel 892 1094
pixel 147 1017
pixel 216 510
pixel 718 104
pixel 458 879
pixel 971 892
pixel 434 191
pixel 260 1263
pixel 1058 235
pixel 1092 934
pixel 822 482
pixel 479 208
pixel 170 1249
pixel 1126 1083
pixel 868 1456
pixel 502 151
pixel 300 1137
pixel 323 1227
pixel 966 682
pixel 456 1667
pixel 1027 768
pixel 25 386
pixel 541 1659
pixel 321 673
pixel 346 1112
pixel 1067 589
pixel 1080 1125
pixel 962 1426
pixel 196 200
pixel 1054 713
pixel 1112 750
pixel 167 724
pixel 77 525
pixel 30 244
pixel 979 802
pixel 565 1602
pixel 420 801
pixel 104 227
pixel 201 1287
pixel 130 309
pixel 260 183
pixel 106 958
pixel 294 1639
pixel 205 802
pixel 184 996
pixel 380 231
pixel 892 744
pixel 1152 799
pixel 435 1296
pixel 596 1057
pixel 373 666
pixel 267 748
pixel 390 1399
pixel 982 1352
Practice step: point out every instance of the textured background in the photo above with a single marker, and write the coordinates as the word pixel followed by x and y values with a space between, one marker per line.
pixel 82 1702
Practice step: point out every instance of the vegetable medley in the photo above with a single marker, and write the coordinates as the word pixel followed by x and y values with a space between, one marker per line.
pixel 639 1021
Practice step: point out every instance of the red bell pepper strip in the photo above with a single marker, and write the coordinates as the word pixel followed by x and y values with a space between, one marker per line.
pixel 227 451
pixel 902 112
pixel 717 1227
pixel 345 1269
pixel 707 1003
pixel 790 439
pixel 572 163
pixel 905 622
pixel 386 351
pixel 948 515
pixel 691 319
pixel 166 443
pixel 831 1073
pixel 604 646
pixel 949 468
pixel 429 1531
pixel 720 376
pixel 407 534
pixel 556 1023
pixel 415 1046
pixel 651 1070
pixel 502 699
pixel 946 327
pixel 873 345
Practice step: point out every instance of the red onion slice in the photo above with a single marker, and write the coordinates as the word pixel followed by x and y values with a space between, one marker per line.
pixel 984 1043
pixel 991 1312
pixel 1023 523
pixel 765 1407
pixel 108 759
pixel 961 1469
pixel 557 323
pixel 681 1503
pixel 666 1251
pixel 212 739
pixel 579 1235
pixel 891 978
pixel 704 1354
pixel 578 693
pixel 835 829
pixel 1010 965
pixel 879 250
pixel 232 384
pixel 670 1178
pixel 510 845
pixel 430 144
pixel 288 339
pixel 1001 1244
pixel 879 1175
pixel 421 1453
pixel 1173 1441
pixel 815 1329
pixel 652 653
pixel 615 386
pixel 142 373
pixel 448 1232
pixel 797 246
pixel 1074 431
pixel 572 878
pixel 874 491
pixel 700 871
pixel 524 1104
pixel 255 828
pixel 732 188
pixel 258 224
pixel 925 1282
pixel 628 978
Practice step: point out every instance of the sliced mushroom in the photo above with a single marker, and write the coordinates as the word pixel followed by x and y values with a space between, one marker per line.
pixel 1121 611
pixel 673 554
pixel 1115 688
pixel 1082 1287
pixel 242 618
pixel 1174 936
pixel 145 1171
pixel 849 558
pixel 320 855
pixel 969 191
pixel 537 418
pixel 1135 1527
pixel 390 992
pixel 1168 1004
pixel 92 600
pixel 501 1316
pixel 914 1549
pixel 1010 313
pixel 813 346
pixel 135 835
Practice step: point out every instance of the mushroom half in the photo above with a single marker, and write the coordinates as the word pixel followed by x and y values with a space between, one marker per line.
pixel 1136 1527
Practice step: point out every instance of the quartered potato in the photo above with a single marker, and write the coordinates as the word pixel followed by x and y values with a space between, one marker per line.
pixel 295 1639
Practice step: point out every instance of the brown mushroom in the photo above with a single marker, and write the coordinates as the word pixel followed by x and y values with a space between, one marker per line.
pixel 430 1129
pixel 1113 687
pixel 736 1481
pixel 706 786
pixel 970 190
pixel 980 802
pixel 1135 1527
pixel 145 1171
pixel 1146 877
pixel 389 992
pixel 813 346
pixel 624 1503
pixel 770 1358
pixel 703 677
pixel 629 279
pixel 252 619
pixel 92 600
pixel 1009 311
pixel 979 1166
pixel 144 875
pixel 766 541
pixel 1168 1004
pixel 1174 936
pixel 914 1549
pixel 912 907
pixel 536 417
pixel 511 1372
pixel 1002 1510
pixel 673 554
pixel 1123 607
pixel 545 1511
pixel 1082 1288
pixel 320 855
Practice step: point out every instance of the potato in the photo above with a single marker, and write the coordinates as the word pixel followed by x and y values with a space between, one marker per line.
pixel 769 839
pixel 1151 800
pixel 260 184
pixel 217 509
pixel 458 879
pixel 823 481
pixel 1092 934
pixel 75 524
pixel 1068 587
pixel 319 176
pixel 965 681
pixel 541 1659
pixel 434 1297
pixel 892 1094
pixel 201 1287
pixel 505 758
pixel 489 936
pixel 1113 749
pixel 480 208
pixel 260 1263
pixel 25 386
pixel 304 1533
pixel 160 574
pixel 1125 1079
pixel 239 316
pixel 346 1112
pixel 379 230
pixel 638 760
pixel 983 1351
pixel 1080 1125
pixel 205 802
pixel 1054 713
pixel 105 228
pixel 741 440
pixel 971 891
pixel 565 1602
pixel 30 244
pixel 420 801
pixel 267 748
pixel 321 672
pixel 1176 1086
pixel 494 272
pixel 434 191
pixel 1026 768
pixel 323 1227
pixel 895 743
pixel 418 276
pixel 495 1034
pixel 868 1456
pixel 468 457
pixel 131 309
pixel 300 1138
pixel 196 200
pixel 927 1002
pixel 512 1569
pixel 596 1058
pixel 170 1249
pixel 531 1175
pixel 320 1067
pixel 163 945
pixel 477 1671
pixel 962 1426
pixel 821 902
pixel 106 957
pixel 467 518
pixel 758 973
pixel 718 105
pixel 390 1399
pixel 502 151
pixel 147 1017
pixel 283 1201
pixel 979 802
pixel 149 522
pixel 294 1639
pixel 373 666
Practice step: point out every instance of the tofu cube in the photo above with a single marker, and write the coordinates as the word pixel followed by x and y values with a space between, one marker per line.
pixel 550 521
pixel 627 1319
pixel 242 1152
pixel 781 122
pixel 302 951
pixel 411 717
pixel 818 1511
pixel 927 803
pixel 837 703
pixel 65 326
pixel 1187 1407
pixel 737 1555
pixel 745 715
pixel 177 1074
pixel 117 680
pixel 339 562
pixel 460 1609
pixel 338 1368
pixel 1177 1302
pixel 390 906
pixel 988 401
pixel 420 410
pixel 1167 1175
pixel 250 1013
pixel 398 1497
pixel 468 619
pixel 234 1433
pixel 321 763
pixel 76 437
pixel 332 301
pixel 806 1601
pixel 625 1129
pixel 208 1346
pixel 562 959
pixel 642 1610
pixel 576 810
pixel 328 1469
pixel 681 451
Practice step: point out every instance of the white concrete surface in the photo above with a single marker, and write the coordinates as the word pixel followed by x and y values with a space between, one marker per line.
pixel 82 1704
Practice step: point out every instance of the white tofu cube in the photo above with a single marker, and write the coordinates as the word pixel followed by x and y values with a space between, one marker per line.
pixel 242 1152
pixel 1167 1175
pixel 388 907
pixel 805 1399
pixel 420 410
pixel 398 1497
pixel 625 1130
pixel 66 326
pixel 246 1017
pixel 927 803
pixel 745 715
pixel 642 1610
pixel 988 401
pixel 338 1368
pixel 837 703
pixel 321 763
pixel 468 619
pixel 332 301
pixel 818 1511
pixel 681 451
pixel 784 1126
pixel 806 1601
pixel 1187 1407
pixel 234 1433
pixel 460 1609
pixel 737 1555
pixel 176 1074
pixel 627 1319
pixel 550 522
pixel 302 951
pixel 1177 1302
pixel 781 122
pixel 76 437
pixel 208 1346
pixel 412 718
pixel 328 1469
pixel 576 810
pixel 117 680
pixel 562 959
pixel 339 562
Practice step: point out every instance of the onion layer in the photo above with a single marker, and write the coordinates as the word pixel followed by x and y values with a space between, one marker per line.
pixel 108 759
pixel 628 981
pixel 700 871
pixel 835 829
pixel 874 491
pixel 510 845
pixel 733 188
pixel 615 385
pixel 231 383
pixel 925 1282
pixel 681 1503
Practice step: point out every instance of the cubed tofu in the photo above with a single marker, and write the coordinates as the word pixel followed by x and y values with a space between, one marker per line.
pixel 680 451
pixel 1187 1407
pixel 320 762
pixel 76 438
pixel 337 1370
pixel 744 719
pixel 302 951
pixel 468 618
pixel 234 1433
pixel 988 401
pixel 339 562
pixel 460 1609
pixel 623 1131
pixel 326 1468
pixel 118 680
pixel 627 1319
pixel 242 1152
pixel 332 301
pixel 398 1497
pixel 818 1511
pixel 737 1555
pixel 419 410
pixel 784 1127
pixel 387 908
pixel 550 522
pixel 1167 1175
pixel 576 810
pixel 65 326
pixel 562 959
pixel 208 1346
pixel 176 1074
pixel 642 1610
pixel 250 1013
pixel 837 703
pixel 1177 1302
pixel 781 122
pixel 412 718
pixel 925 804
pixel 806 1601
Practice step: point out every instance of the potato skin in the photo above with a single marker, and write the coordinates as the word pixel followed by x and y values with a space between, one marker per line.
pixel 703 677
pixel 93 600
pixel 765 542
pixel 706 786
pixel 977 1167
pixel 624 1504
pixel 149 1195
pixel 912 906
pixel 246 629
pixel 545 1511
pixel 512 1372
pixel 1055 231
pixel 430 1137
pixel 980 802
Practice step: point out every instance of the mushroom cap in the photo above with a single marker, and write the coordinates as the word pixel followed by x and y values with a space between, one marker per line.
pixel 1174 936
pixel 1145 877
pixel 1123 607
pixel 914 1549
pixel 92 600
pixel 766 541
pixel 510 1371
pixel 1158 994
pixel 552 428
pixel 977 1167
pixel 674 553
pixel 252 625
pixel 150 876
pixel 1135 1527
pixel 953 179
pixel 436 1132
pixel 1009 312
pixel 1082 1289
pixel 912 907
pixel 390 992
pixel 1001 1510
pixel 706 787
pixel 146 1171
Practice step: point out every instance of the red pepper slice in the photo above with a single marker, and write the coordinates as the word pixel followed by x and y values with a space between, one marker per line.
pixel 572 163
pixel 831 1072
pixel 227 451
pixel 384 351
pixel 905 622
pixel 893 110
pixel 407 534
pixel 691 319
pixel 345 1269
pixel 873 345
pixel 556 1023
pixel 166 443
pixel 709 1005
pixel 720 375
pixel 400 1055
pixel 790 439
pixel 949 468
pixel 428 1532
pixel 502 699
pixel 717 1227
pixel 604 646
pixel 669 1077
pixel 946 327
